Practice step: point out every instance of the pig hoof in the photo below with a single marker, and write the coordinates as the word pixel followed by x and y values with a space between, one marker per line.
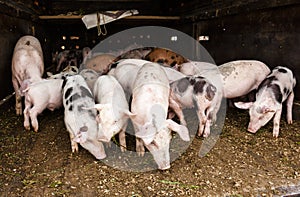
pixel 290 121
pixel 123 149
pixel 27 128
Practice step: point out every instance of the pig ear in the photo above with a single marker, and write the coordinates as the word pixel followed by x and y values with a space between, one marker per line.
pixel 243 105
pixel 99 107
pixel 128 113
pixel 146 133
pixel 79 138
pixel 180 129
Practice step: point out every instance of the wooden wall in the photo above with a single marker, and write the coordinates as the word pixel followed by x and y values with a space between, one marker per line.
pixel 270 35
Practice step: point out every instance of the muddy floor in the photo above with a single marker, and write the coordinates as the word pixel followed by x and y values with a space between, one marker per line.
pixel 240 163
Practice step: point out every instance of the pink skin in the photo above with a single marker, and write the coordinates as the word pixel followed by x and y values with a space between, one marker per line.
pixel 27 64
pixel 38 97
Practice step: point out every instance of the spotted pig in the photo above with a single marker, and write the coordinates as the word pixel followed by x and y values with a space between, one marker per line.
pixel 79 118
pixel 272 92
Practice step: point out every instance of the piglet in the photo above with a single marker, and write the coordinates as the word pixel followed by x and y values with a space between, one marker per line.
pixel 80 116
pixel 272 92
pixel 39 96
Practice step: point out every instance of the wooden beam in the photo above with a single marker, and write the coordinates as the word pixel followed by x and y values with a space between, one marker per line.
pixel 129 17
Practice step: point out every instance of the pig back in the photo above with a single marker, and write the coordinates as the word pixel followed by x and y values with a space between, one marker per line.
pixel 150 74
pixel 100 63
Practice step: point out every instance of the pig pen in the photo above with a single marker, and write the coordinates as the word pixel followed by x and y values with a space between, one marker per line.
pixel 240 164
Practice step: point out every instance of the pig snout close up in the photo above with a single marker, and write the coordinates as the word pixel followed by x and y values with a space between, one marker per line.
pixel 272 92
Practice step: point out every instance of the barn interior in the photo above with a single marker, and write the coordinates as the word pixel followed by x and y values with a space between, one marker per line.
pixel 263 30
pixel 241 163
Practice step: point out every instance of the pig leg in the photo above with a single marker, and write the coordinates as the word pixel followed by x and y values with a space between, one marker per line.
pixel 74 145
pixel 202 121
pixel 177 110
pixel 18 96
pixel 277 122
pixel 26 115
pixel 140 149
pixel 122 140
pixel 34 112
pixel 289 104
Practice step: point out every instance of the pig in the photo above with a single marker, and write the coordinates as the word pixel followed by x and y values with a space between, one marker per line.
pixel 113 109
pixel 272 92
pixel 68 58
pixel 39 96
pixel 166 57
pixel 27 64
pixel 137 53
pixel 150 101
pixel 194 89
pixel 100 63
pixel 242 76
pixel 90 77
pixel 213 92
pixel 68 71
pixel 80 116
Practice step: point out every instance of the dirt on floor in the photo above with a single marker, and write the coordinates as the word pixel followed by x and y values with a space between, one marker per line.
pixel 239 164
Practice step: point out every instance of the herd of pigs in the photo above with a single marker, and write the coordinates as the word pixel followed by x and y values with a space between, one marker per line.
pixel 148 86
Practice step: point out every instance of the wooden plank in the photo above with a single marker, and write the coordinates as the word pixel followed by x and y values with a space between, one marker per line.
pixel 45 17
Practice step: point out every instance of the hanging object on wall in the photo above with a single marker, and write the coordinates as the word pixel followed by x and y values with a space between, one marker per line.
pixel 102 18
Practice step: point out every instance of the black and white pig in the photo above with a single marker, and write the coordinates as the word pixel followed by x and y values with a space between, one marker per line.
pixel 272 92
pixel 39 96
pixel 27 64
pixel 194 90
pixel 213 93
pixel 150 101
pixel 80 116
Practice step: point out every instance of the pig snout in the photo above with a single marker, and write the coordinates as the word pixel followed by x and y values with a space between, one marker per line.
pixel 164 166
pixel 101 156
pixel 104 139
pixel 252 128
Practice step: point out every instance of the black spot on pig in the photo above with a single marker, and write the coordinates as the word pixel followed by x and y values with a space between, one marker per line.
pixel 173 63
pixel 84 129
pixel 27 43
pixel 85 92
pixel 91 114
pixel 64 82
pixel 79 108
pixel 73 70
pixel 74 97
pixel 277 93
pixel 282 70
pixel 160 61
pixel 172 57
pixel 183 84
pixel 191 80
pixel 267 82
pixel 68 92
pixel 198 86
pixel 210 92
